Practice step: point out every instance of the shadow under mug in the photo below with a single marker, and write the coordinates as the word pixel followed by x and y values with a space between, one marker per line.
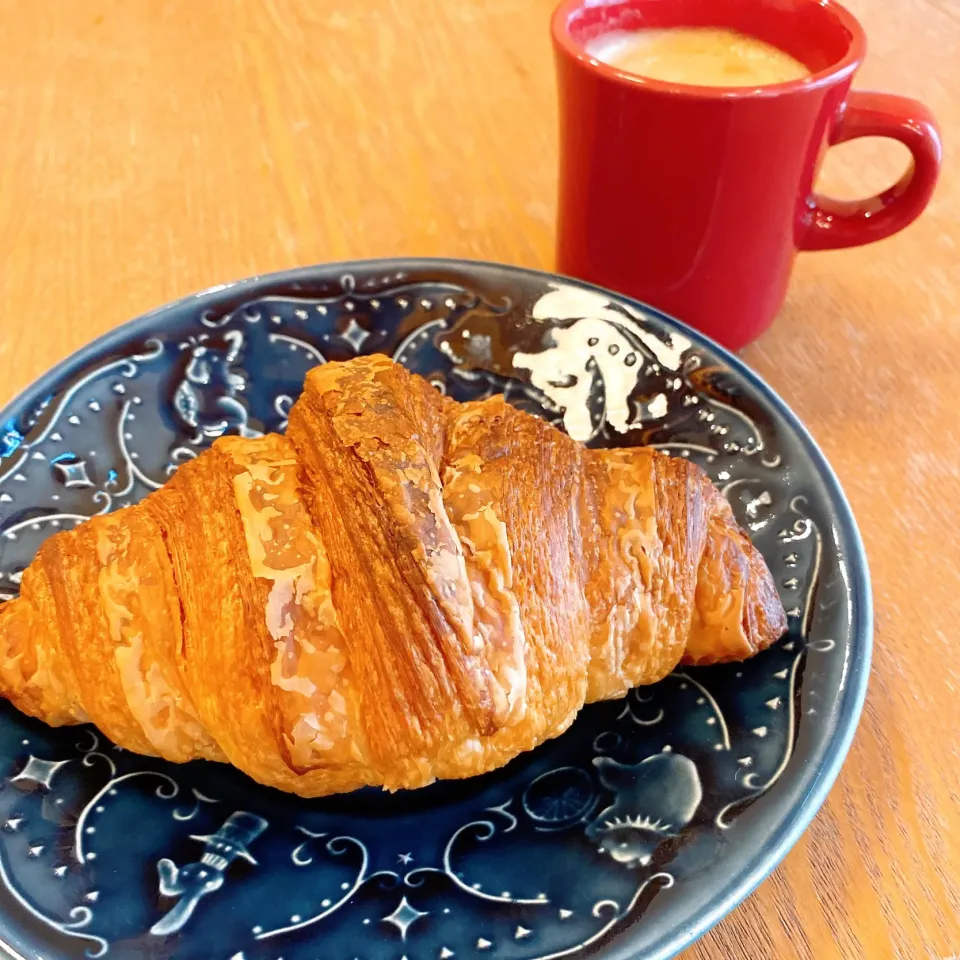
pixel 696 199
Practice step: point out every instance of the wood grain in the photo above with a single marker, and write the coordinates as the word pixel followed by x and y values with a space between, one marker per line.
pixel 155 147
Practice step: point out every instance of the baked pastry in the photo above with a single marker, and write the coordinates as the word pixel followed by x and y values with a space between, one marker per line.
pixel 402 588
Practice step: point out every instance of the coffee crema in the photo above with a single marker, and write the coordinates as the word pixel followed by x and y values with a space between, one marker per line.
pixel 700 56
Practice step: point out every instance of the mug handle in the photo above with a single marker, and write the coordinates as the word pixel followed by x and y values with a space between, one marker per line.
pixel 834 223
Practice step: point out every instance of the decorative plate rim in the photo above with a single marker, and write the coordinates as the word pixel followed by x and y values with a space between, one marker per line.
pixel 853 691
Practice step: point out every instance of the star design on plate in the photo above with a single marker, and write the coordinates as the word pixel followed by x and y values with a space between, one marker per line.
pixel 405 858
pixel 404 916
pixel 40 771
pixel 73 472
pixel 355 335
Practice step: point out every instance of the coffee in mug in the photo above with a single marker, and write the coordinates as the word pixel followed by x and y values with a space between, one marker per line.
pixel 695 197
pixel 701 56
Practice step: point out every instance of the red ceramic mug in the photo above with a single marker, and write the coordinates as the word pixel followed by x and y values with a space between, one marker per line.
pixel 696 199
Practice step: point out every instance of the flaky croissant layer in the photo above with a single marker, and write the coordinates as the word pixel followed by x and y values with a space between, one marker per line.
pixel 402 588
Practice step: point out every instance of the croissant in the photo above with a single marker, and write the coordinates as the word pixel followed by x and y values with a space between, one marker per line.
pixel 402 588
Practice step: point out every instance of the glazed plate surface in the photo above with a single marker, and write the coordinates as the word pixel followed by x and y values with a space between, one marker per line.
pixel 629 836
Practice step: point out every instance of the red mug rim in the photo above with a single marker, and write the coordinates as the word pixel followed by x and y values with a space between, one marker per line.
pixel 839 70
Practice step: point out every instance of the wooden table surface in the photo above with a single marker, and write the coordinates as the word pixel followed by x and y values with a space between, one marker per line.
pixel 154 147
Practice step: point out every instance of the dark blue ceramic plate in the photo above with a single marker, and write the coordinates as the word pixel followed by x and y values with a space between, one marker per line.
pixel 627 837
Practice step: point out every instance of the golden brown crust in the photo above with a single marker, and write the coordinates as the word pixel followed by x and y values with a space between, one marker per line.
pixel 502 457
pixel 368 445
pixel 73 572
pixel 736 605
pixel 402 588
pixel 35 674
